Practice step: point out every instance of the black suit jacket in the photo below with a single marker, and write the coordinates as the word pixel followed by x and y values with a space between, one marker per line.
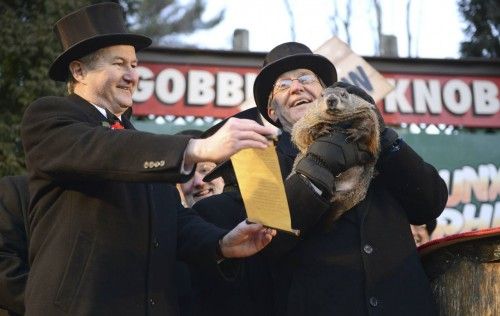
pixel 14 200
pixel 104 224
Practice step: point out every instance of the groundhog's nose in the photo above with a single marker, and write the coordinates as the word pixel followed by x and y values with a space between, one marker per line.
pixel 332 101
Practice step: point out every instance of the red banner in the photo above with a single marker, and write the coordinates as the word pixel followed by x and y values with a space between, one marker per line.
pixel 197 90
pixel 452 100
pixel 217 91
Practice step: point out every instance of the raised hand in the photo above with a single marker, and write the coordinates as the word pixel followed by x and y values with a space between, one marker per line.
pixel 234 135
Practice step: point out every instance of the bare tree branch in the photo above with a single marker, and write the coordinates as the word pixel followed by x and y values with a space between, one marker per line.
pixel 346 22
pixel 408 25
pixel 378 12
pixel 334 18
pixel 292 20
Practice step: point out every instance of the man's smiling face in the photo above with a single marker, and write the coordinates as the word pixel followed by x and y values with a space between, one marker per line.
pixel 113 79
pixel 196 189
pixel 290 102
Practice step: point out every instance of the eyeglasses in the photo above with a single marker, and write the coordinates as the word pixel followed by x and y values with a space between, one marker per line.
pixel 285 84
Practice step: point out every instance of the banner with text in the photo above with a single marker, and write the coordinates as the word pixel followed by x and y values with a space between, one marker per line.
pixel 473 179
pixel 220 91
pixel 471 101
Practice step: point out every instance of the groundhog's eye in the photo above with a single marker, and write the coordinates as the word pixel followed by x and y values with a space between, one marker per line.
pixel 344 94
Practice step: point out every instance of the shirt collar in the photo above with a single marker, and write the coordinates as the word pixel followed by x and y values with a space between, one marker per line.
pixel 103 111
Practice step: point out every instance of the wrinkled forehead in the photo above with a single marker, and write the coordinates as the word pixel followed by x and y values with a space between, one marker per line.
pixel 119 51
pixel 295 73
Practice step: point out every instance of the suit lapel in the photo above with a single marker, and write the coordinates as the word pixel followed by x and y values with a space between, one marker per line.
pixel 127 124
pixel 92 113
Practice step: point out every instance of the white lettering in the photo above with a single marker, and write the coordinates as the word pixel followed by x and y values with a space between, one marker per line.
pixel 449 222
pixel 494 189
pixel 485 97
pixel 170 86
pixel 396 99
pixel 473 222
pixel 146 85
pixel 201 89
pixel 424 96
pixel 229 89
pixel 445 175
pixel 457 97
pixel 495 222
pixel 453 221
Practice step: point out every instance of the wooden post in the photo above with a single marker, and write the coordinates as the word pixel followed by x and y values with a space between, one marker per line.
pixel 464 271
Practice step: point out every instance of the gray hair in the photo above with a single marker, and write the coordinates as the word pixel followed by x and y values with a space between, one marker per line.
pixel 89 61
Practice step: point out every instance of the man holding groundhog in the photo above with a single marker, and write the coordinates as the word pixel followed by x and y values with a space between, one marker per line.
pixel 364 263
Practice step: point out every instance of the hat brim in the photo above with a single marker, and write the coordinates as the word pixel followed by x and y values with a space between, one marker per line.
pixel 438 244
pixel 266 78
pixel 59 69
pixel 224 170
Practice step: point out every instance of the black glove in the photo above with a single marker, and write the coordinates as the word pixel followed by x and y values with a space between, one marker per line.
pixel 388 136
pixel 329 156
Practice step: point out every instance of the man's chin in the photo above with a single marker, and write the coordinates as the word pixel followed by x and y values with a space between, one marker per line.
pixel 127 104
pixel 297 115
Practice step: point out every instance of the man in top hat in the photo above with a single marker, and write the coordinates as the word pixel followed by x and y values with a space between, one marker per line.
pixel 104 226
pixel 365 262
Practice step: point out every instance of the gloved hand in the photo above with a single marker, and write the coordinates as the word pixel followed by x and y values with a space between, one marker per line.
pixel 329 156
pixel 388 136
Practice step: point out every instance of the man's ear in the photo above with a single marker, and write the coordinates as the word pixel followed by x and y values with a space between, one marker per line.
pixel 77 70
pixel 272 114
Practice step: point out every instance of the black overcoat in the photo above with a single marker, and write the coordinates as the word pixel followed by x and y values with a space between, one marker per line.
pixel 250 290
pixel 364 264
pixel 104 224
pixel 14 201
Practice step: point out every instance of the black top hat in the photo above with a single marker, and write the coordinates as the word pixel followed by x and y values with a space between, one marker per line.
pixel 283 58
pixel 89 29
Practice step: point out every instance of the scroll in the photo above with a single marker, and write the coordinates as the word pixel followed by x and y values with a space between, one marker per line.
pixel 262 189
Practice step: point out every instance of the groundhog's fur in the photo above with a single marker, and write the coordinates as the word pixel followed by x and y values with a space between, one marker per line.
pixel 337 110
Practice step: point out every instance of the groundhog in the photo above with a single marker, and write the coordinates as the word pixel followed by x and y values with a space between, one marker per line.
pixel 338 110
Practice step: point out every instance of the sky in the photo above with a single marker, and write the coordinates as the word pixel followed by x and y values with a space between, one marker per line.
pixel 436 25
